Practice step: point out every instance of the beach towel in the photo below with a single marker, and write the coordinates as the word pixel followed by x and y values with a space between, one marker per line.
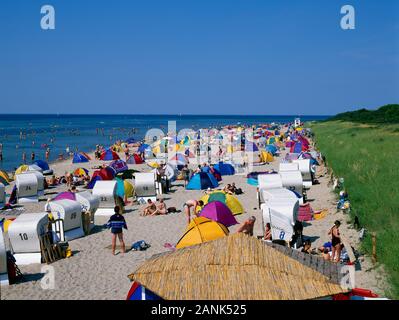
pixel 305 212
pixel 140 246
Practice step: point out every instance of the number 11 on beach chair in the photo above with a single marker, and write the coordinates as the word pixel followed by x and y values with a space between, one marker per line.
pixel 106 191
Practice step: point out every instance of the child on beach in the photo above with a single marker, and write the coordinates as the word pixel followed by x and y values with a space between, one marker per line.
pixel 117 223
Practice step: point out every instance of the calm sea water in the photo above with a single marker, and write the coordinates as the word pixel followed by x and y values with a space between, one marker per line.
pixel 83 132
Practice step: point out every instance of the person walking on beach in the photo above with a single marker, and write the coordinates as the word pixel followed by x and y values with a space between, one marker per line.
pixel 335 241
pixel 117 223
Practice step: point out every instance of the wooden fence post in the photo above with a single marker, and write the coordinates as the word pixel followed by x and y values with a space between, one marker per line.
pixel 374 243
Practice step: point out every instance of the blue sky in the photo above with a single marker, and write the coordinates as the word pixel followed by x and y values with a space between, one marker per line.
pixel 198 57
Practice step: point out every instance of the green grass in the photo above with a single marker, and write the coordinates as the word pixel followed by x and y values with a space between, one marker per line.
pixel 385 114
pixel 367 157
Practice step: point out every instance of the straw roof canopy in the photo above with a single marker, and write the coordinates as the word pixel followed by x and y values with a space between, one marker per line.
pixel 233 267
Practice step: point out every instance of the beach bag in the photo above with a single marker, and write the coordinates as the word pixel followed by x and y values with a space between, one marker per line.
pixel 172 210
pixel 140 246
pixel 238 191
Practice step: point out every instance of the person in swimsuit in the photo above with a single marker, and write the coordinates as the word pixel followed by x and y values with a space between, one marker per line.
pixel 192 204
pixel 161 208
pixel 117 223
pixel 335 241
pixel 248 226
pixel 149 209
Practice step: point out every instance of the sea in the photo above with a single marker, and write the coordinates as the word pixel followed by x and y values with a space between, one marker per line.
pixel 29 133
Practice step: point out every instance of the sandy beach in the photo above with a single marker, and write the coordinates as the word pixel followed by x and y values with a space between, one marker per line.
pixel 94 273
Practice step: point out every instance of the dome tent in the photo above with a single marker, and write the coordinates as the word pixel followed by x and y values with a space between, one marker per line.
pixel 44 166
pixel 79 158
pixel 218 212
pixel 225 169
pixel 109 155
pixel 202 181
pixel 201 230
pixel 138 292
pixel 229 200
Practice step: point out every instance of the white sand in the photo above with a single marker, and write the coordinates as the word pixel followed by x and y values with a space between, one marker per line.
pixel 93 273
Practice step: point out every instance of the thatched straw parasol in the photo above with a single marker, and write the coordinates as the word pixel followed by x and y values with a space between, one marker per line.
pixel 233 267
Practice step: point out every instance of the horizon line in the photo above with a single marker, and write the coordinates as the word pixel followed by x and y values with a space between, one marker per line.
pixel 166 114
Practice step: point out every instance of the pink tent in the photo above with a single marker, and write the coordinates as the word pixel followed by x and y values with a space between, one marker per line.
pixel 219 212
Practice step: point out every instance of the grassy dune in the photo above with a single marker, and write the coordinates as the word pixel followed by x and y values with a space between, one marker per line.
pixel 367 156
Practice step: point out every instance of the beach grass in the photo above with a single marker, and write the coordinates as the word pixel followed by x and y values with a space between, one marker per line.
pixel 367 157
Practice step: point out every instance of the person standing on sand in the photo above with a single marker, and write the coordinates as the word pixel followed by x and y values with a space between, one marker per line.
pixel 335 241
pixel 117 223
pixel 126 152
pixel 186 174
